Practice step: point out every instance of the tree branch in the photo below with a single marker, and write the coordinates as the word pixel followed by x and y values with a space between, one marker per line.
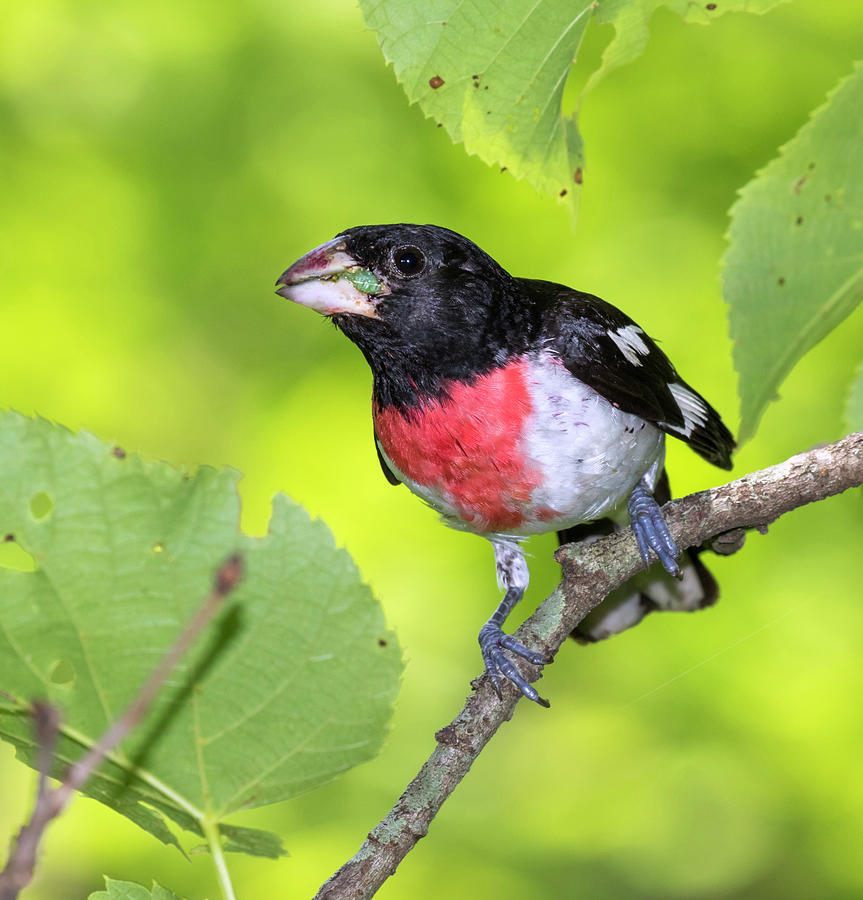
pixel 50 803
pixel 590 572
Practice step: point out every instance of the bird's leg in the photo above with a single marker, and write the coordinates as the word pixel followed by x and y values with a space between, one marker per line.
pixel 650 529
pixel 513 577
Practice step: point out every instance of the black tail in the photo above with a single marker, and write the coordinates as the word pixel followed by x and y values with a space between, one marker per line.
pixel 702 427
pixel 649 591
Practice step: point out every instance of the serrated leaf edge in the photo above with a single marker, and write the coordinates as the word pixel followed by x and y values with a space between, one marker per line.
pixel 782 368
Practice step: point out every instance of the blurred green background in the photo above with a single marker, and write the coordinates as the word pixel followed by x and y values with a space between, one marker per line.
pixel 162 162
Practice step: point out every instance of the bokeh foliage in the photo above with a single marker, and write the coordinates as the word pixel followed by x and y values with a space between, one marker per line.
pixel 855 403
pixel 163 162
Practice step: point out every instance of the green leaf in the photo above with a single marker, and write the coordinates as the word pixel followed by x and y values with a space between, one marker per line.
pixel 854 407
pixel 493 73
pixel 252 841
pixel 630 19
pixel 292 684
pixel 128 890
pixel 794 266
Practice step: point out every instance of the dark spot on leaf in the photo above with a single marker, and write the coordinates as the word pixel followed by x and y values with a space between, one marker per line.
pixel 9 537
pixel 781 281
pixel 488 112
pixel 382 642
pixel 475 77
pixel 435 82
pixel 811 166
pixel 577 176
pixel 563 193
pixel 119 452
pixel 485 88
pixel 41 506
pixel 711 6
pixel 827 197
pixel 798 220
pixel 62 672
pixel 798 184
pixel 503 168
pixel 440 124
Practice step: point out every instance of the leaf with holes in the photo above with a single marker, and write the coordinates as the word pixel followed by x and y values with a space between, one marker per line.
pixel 293 683
pixel 128 890
pixel 493 74
pixel 794 266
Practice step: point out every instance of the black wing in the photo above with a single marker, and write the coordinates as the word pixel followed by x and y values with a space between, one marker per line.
pixel 606 350
pixel 388 472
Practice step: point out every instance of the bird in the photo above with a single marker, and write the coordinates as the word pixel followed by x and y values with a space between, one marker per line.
pixel 513 407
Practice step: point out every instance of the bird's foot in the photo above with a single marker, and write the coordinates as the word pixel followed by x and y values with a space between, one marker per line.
pixel 493 641
pixel 650 529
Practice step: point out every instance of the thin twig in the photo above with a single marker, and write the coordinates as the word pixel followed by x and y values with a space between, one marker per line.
pixel 590 573
pixel 50 803
pixel 46 724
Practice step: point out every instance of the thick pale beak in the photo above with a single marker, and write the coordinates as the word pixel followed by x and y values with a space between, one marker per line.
pixel 330 281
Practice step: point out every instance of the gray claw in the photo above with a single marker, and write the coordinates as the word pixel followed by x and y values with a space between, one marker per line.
pixel 493 641
pixel 651 531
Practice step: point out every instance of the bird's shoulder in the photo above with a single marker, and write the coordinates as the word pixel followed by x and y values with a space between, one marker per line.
pixel 606 349
pixel 603 347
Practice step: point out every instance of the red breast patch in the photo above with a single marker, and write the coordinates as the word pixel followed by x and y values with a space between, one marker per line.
pixel 469 446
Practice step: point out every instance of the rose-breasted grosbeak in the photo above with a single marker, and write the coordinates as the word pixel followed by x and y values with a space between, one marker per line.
pixel 514 407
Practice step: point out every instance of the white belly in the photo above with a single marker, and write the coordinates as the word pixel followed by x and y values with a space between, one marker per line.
pixel 590 453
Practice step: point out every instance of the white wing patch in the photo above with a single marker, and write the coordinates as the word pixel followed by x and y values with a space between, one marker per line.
pixel 629 343
pixel 692 409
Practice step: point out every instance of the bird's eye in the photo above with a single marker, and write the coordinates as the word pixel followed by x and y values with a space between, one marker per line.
pixel 409 260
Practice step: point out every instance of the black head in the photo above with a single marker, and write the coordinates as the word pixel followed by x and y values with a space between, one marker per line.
pixel 440 288
pixel 419 300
